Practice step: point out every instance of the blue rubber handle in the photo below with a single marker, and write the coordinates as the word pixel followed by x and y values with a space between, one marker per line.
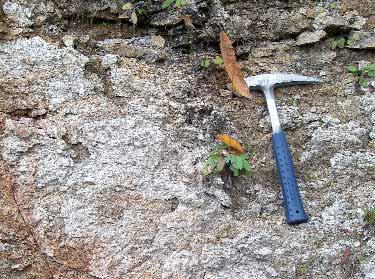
pixel 294 211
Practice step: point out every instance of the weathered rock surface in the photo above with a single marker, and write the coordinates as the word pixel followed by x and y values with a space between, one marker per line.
pixel 105 127
pixel 335 137
pixel 306 38
pixel 362 40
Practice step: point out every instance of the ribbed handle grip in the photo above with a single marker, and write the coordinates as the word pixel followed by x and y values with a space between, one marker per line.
pixel 294 211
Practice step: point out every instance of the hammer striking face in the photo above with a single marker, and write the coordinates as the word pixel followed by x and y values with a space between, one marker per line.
pixel 294 211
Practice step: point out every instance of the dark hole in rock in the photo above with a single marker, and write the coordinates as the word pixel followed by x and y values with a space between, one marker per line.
pixel 79 151
pixel 174 202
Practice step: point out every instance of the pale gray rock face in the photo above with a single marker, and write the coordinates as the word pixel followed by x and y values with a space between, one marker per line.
pixel 290 118
pixel 326 140
pixel 362 40
pixel 103 136
pixel 331 22
pixel 368 267
pixel 357 161
pixel 169 18
pixel 19 13
pixel 24 61
pixel 307 38
pixel 93 153
pixel 25 14
pixel 372 133
pixel 143 47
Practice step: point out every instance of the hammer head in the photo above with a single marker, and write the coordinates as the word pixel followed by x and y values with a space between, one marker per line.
pixel 261 82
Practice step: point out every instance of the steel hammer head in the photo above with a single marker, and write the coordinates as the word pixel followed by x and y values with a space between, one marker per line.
pixel 261 82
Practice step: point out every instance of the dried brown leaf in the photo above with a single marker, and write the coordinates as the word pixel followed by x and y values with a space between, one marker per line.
pixel 188 21
pixel 232 67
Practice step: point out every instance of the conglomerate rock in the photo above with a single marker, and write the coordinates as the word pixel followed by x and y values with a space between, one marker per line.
pixel 105 126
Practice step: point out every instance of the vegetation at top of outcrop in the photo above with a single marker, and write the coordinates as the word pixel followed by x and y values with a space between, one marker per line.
pixel 206 62
pixel 167 3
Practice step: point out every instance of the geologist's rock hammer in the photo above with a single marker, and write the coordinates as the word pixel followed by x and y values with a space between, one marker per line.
pixel 294 211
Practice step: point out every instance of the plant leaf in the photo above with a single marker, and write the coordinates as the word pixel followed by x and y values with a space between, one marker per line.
pixel 219 147
pixel 371 73
pixel 141 11
pixel 369 67
pixel 238 162
pixel 363 82
pixel 230 142
pixel 230 159
pixel 127 6
pixel 235 171
pixel 352 69
pixel 205 63
pixel 167 3
pixel 211 163
pixel 334 45
pixel 246 165
pixel 218 60
pixel 180 3
pixel 350 42
pixel 231 66
pixel 213 159
pixel 341 42
pixel 188 20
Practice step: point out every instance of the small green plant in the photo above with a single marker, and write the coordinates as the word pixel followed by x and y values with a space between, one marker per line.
pixel 339 42
pixel 362 74
pixel 132 13
pixel 167 3
pixel 370 216
pixel 343 41
pixel 333 6
pixel 140 11
pixel 221 159
pixel 206 62
pixel 218 61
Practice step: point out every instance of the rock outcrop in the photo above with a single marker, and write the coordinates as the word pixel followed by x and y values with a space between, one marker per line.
pixel 105 126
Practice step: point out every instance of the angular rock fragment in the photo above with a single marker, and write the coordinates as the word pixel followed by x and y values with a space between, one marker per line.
pixel 147 48
pixel 166 19
pixel 361 40
pixel 291 24
pixel 307 38
pixel 353 161
pixel 331 23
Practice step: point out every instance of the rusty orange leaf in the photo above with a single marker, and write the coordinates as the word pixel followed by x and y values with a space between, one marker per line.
pixel 230 142
pixel 232 67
